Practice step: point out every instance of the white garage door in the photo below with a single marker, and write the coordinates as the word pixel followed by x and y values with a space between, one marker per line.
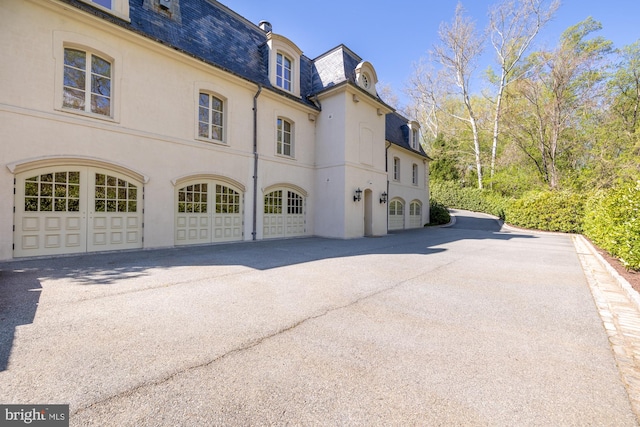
pixel 208 212
pixel 415 214
pixel 63 210
pixel 283 214
pixel 396 215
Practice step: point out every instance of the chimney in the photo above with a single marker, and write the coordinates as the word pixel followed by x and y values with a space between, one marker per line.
pixel 265 26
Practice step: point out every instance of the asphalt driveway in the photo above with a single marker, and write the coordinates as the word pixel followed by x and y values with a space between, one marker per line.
pixel 465 325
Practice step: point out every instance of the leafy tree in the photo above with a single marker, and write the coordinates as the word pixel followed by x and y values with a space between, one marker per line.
pixel 459 48
pixel 513 26
pixel 562 84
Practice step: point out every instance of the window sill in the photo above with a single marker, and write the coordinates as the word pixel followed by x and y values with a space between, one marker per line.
pixel 87 114
pixel 212 141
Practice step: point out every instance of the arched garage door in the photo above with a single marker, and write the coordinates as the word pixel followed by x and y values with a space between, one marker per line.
pixel 208 211
pixel 284 214
pixel 415 214
pixel 74 209
pixel 396 214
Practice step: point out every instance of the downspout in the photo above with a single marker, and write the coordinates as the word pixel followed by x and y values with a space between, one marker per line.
pixel 255 162
pixel 386 169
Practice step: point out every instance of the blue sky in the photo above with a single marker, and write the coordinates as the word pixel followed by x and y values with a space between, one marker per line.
pixel 393 35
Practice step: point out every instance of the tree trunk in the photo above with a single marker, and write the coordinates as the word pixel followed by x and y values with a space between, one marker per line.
pixel 496 124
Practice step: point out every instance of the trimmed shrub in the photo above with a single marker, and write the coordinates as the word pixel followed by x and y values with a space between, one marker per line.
pixel 452 195
pixel 438 213
pixel 612 221
pixel 548 210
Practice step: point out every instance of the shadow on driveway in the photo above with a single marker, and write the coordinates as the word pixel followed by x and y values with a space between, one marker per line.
pixel 20 280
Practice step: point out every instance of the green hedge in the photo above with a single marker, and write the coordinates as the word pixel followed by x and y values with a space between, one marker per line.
pixel 452 195
pixel 610 218
pixel 548 210
pixel 438 213
pixel 612 221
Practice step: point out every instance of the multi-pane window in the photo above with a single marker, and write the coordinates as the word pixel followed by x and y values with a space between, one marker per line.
pixel 227 200
pixel 396 207
pixel 210 117
pixel 414 139
pixel 87 82
pixel 396 169
pixel 56 191
pixel 285 141
pixel 295 203
pixel 193 198
pixel 115 195
pixel 415 208
pixel 414 175
pixel 283 72
pixel 273 202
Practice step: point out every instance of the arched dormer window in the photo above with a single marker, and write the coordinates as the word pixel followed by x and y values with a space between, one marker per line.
pixel 366 77
pixel 414 139
pixel 284 63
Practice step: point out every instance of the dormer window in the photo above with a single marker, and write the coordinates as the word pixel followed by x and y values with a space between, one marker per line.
pixel 284 63
pixel 283 72
pixel 415 135
pixel 119 8
pixel 366 77
pixel 365 81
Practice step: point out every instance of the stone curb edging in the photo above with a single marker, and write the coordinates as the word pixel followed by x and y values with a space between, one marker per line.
pixel 620 315
pixel 632 294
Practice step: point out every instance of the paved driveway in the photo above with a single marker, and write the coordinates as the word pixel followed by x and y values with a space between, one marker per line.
pixel 466 325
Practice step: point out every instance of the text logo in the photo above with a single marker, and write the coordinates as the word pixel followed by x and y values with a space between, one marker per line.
pixel 34 415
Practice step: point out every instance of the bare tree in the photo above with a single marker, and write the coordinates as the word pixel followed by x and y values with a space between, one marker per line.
pixel 427 96
pixel 388 94
pixel 513 25
pixel 459 48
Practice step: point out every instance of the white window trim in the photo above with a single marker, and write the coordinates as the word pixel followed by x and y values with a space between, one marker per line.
pixel 415 135
pixel 285 57
pixel 396 170
pixel 119 8
pixel 225 108
pixel 293 138
pixel 415 174
pixel 63 40
pixel 281 45
pixel 366 77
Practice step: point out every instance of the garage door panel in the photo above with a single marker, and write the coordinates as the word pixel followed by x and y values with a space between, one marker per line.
pixel 284 214
pixel 115 209
pixel 74 209
pixel 30 224
pixel 49 214
pixel 206 212
pixel 396 215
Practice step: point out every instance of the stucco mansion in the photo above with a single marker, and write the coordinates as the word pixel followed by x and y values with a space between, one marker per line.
pixel 156 123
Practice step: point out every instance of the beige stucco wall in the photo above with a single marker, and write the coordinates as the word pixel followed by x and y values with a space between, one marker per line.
pixel 153 131
pixel 154 126
pixel 404 187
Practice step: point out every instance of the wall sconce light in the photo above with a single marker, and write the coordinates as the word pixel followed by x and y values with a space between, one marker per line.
pixel 383 197
pixel 358 196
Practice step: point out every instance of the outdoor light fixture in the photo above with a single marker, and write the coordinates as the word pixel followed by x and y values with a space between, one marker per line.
pixel 383 197
pixel 358 196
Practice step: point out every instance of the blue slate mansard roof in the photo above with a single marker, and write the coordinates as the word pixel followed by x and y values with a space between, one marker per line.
pixel 211 32
pixel 334 67
pixel 397 132
pixel 215 34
